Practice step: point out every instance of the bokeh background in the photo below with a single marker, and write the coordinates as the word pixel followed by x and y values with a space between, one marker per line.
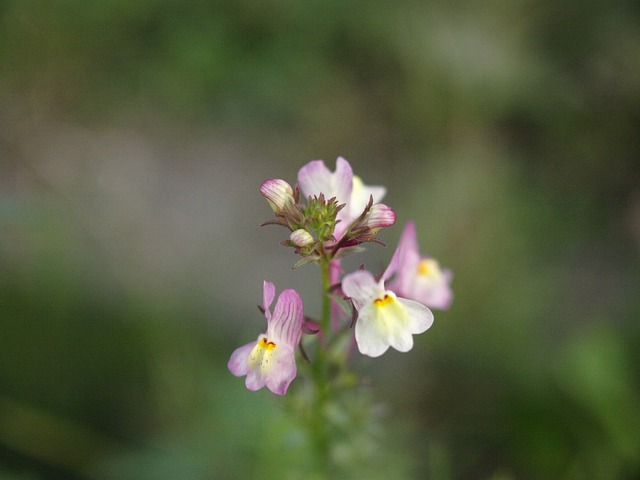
pixel 134 136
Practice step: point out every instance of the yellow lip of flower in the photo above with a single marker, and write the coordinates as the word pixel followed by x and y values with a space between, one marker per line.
pixel 428 267
pixel 261 353
pixel 264 343
pixel 385 300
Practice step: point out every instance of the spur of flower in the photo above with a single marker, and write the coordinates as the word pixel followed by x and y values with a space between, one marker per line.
pixel 384 320
pixel 417 277
pixel 271 360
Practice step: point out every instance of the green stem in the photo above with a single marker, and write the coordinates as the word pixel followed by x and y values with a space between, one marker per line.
pixel 325 319
pixel 319 423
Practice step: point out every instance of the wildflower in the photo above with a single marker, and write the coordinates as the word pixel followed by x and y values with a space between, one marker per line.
pixel 270 360
pixel 384 319
pixel 315 178
pixel 278 193
pixel 418 277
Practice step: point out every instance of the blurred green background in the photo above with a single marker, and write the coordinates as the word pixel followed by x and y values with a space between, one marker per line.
pixel 134 136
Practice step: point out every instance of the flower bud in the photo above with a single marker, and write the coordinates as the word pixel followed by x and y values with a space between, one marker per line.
pixel 380 216
pixel 301 238
pixel 278 193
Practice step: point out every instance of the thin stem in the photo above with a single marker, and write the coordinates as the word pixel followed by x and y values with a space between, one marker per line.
pixel 319 424
pixel 325 319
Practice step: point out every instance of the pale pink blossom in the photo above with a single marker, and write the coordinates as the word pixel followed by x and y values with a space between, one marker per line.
pixel 315 178
pixel 271 360
pixel 417 277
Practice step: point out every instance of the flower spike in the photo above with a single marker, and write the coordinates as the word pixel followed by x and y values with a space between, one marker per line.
pixel 341 212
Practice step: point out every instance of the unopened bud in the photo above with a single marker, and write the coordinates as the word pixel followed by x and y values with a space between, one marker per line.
pixel 301 238
pixel 380 216
pixel 278 193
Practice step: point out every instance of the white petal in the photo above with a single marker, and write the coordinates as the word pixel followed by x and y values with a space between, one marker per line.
pixel 343 181
pixel 401 339
pixel 371 339
pixel 360 195
pixel 385 324
pixel 420 318
pixel 390 321
pixel 361 287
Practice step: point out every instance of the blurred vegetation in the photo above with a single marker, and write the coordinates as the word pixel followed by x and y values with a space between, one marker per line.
pixel 132 260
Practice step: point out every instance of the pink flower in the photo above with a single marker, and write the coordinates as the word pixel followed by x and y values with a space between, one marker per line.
pixel 315 178
pixel 418 277
pixel 271 360
pixel 384 319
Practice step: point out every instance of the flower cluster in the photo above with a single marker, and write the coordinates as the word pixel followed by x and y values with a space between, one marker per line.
pixel 328 215
pixel 340 212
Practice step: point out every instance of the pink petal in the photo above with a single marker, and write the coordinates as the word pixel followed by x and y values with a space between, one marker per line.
pixel 310 327
pixel 406 256
pixel 282 372
pixel 438 296
pixel 446 295
pixel 255 379
pixel 268 294
pixel 315 178
pixel 238 363
pixel 285 326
